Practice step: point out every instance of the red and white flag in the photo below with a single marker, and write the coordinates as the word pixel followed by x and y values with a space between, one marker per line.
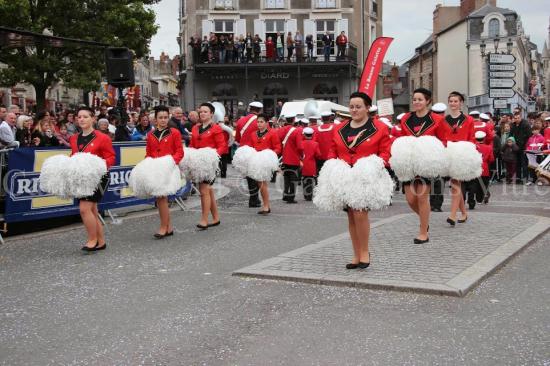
pixel 373 63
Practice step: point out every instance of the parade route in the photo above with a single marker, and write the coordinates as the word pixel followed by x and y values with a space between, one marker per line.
pixel 452 263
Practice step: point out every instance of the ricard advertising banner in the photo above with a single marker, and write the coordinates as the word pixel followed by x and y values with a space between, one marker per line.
pixel 25 201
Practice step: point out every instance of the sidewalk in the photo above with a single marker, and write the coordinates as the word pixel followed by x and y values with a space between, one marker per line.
pixel 452 263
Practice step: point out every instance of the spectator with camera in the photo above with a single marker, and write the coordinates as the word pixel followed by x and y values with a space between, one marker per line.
pixel 43 135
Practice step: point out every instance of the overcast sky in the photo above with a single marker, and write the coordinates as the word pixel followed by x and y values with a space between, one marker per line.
pixel 408 21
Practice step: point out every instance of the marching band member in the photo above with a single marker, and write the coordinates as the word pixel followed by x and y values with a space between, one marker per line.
pixel 436 194
pixel 98 144
pixel 309 162
pixel 245 128
pixel 486 126
pixel 323 135
pixel 291 140
pixel 206 133
pixel 161 142
pixel 461 129
pixel 264 139
pixel 419 123
pixel 362 143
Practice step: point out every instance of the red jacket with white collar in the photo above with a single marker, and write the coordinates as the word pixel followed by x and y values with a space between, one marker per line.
pixel 487 128
pixel 211 137
pixel 100 145
pixel 487 156
pixel 169 144
pixel 270 140
pixel 292 149
pixel 244 138
pixel 437 127
pixel 309 160
pixel 323 135
pixel 462 131
pixel 374 141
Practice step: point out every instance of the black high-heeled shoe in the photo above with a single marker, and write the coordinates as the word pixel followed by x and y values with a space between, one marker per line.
pixel 462 221
pixel 352 265
pixel 363 265
pixel 262 212
pixel 451 221
pixel 214 223
pixel 420 241
pixel 202 227
pixel 104 246
pixel 90 249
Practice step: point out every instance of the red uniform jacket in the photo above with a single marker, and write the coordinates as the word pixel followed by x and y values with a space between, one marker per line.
pixel 170 144
pixel 489 133
pixel 396 131
pixel 438 127
pixel 292 150
pixel 211 137
pixel 487 156
pixel 375 141
pixel 463 131
pixel 323 135
pixel 244 138
pixel 309 159
pixel 225 141
pixel 100 145
pixel 268 141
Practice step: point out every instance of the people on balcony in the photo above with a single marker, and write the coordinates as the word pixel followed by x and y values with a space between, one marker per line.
pixel 289 46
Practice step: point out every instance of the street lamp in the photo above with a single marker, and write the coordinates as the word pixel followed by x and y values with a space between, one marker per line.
pixel 509 45
pixel 482 48
pixel 496 41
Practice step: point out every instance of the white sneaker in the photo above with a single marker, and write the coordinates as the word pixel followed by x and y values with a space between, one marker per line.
pixel 529 183
pixel 539 183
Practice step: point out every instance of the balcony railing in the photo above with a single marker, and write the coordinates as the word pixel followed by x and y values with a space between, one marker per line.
pixel 215 56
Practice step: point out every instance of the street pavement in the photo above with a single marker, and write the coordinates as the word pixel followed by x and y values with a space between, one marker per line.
pixel 176 302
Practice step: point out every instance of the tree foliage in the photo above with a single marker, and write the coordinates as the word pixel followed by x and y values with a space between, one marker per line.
pixel 122 23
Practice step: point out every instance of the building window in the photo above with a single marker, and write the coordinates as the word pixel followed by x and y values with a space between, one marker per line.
pixel 494 28
pixel 274 25
pixel 374 8
pixel 325 4
pixel 223 26
pixel 274 4
pixel 324 26
pixel 223 5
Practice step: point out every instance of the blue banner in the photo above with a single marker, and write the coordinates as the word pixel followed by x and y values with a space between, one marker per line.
pixel 25 201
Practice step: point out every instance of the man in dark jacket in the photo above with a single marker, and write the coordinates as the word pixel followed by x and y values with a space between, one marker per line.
pixel 521 131
pixel 176 122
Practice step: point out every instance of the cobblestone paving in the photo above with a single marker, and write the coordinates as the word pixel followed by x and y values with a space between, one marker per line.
pixel 452 262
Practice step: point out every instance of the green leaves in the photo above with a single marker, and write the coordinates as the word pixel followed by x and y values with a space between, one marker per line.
pixel 117 23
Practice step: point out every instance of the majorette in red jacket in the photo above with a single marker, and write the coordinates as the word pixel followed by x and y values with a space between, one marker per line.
pixel 437 127
pixel 100 145
pixel 309 159
pixel 462 131
pixel 375 140
pixel 267 140
pixel 244 138
pixel 212 137
pixel 292 149
pixel 169 143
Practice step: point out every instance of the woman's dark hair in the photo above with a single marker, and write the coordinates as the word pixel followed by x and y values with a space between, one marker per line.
pixel 40 115
pixel 264 117
pixel 86 108
pixel 209 105
pixel 456 94
pixel 161 108
pixel 365 97
pixel 427 94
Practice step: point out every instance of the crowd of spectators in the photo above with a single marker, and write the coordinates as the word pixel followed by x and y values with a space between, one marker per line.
pixel 226 48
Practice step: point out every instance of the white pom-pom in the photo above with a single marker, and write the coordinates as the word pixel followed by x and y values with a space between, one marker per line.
pixel 199 165
pixel 84 174
pixel 430 159
pixel 464 160
pixel 369 185
pixel 155 177
pixel 330 191
pixel 241 159
pixel 262 165
pixel 402 158
pixel 53 176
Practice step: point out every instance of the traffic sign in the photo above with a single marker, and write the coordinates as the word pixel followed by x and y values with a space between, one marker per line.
pixel 501 93
pixel 502 74
pixel 504 67
pixel 502 83
pixel 499 58
pixel 500 103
